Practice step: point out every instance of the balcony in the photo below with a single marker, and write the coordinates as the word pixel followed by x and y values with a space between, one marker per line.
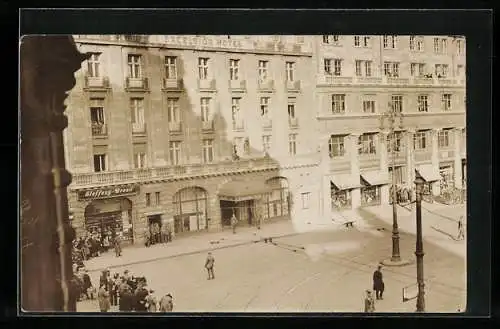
pixel 293 86
pixel 422 81
pixel 238 125
pixel 267 124
pixel 445 81
pixel 293 122
pixel 369 161
pixel 266 85
pixel 138 128
pixel 396 81
pixel 207 126
pixel 206 84
pixel 239 86
pixel 87 180
pixel 423 156
pixel 175 127
pixel 96 83
pixel 136 84
pixel 172 84
pixel 99 130
pixel 446 154
pixel 368 80
pixel 330 79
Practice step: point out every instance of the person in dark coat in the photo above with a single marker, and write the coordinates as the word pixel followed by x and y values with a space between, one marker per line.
pixel 117 245
pixel 378 283
pixel 87 284
pixel 209 265
pixel 125 297
pixel 141 295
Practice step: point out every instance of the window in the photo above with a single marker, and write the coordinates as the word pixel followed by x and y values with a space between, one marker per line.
pixel 441 70
pixel 391 69
pixel 460 70
pixel 137 111
pixel 367 144
pixel 398 173
pixel 234 69
pixel 440 45
pixel 173 110
pixel 175 152
pixel 99 162
pixel 266 143
pixel 369 106
pixel 292 144
pixel 235 110
pixel 417 43
pixel 460 47
pixel 135 66
pixel 306 197
pixel 148 199
pixel 290 71
pixel 337 67
pixel 363 68
pixel 417 69
pixel 390 41
pixel 423 104
pixel 397 143
pixel 366 41
pixel 336 146
pixel 171 67
pixel 338 103
pixel 203 68
pixel 140 160
pixel 446 102
pixel 263 65
pixel 291 108
pixel 264 106
pixel 357 41
pixel 412 42
pixel 97 111
pixel 420 140
pixel 444 46
pixel 331 39
pixel 328 65
pixel 208 151
pixel 93 65
pixel 444 138
pixel 205 109
pixel 157 198
pixel 397 103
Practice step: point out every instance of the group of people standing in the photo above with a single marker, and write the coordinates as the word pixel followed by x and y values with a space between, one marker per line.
pixel 404 194
pixel 378 287
pixel 95 243
pixel 157 233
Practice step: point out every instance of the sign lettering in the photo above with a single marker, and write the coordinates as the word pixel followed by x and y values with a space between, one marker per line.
pixel 108 192
pixel 203 41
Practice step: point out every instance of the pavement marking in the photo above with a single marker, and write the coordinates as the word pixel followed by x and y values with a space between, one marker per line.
pixel 309 278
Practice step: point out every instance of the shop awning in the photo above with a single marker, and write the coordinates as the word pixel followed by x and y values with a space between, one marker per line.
pixel 428 173
pixel 376 177
pixel 155 213
pixel 344 182
pixel 241 190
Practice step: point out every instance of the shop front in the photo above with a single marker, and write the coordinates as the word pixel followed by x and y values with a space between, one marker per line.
pixel 374 188
pixel 341 187
pixel 109 211
pixel 431 178
pixel 278 201
pixel 190 210
pixel 447 176
pixel 246 200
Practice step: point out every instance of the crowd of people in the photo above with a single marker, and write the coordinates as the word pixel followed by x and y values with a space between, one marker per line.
pixel 94 243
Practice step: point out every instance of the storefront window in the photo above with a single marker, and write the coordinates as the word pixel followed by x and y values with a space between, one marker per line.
pixel 341 199
pixel 190 206
pixel 278 200
pixel 447 177
pixel 110 218
pixel 370 196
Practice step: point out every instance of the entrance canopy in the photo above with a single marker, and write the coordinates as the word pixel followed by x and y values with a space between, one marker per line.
pixel 428 173
pixel 344 182
pixel 240 190
pixel 375 178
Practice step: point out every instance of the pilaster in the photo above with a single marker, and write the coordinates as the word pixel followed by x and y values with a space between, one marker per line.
pixel 354 157
pixel 410 159
pixel 384 163
pixel 435 158
pixel 457 158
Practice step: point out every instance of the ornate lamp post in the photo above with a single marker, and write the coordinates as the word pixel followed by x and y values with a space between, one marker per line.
pixel 394 118
pixel 419 249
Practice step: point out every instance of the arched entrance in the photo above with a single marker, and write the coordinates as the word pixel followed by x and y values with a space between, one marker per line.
pixel 110 216
pixel 278 202
pixel 191 209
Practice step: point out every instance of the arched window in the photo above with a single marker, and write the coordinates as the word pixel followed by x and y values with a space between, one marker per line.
pixel 190 209
pixel 277 204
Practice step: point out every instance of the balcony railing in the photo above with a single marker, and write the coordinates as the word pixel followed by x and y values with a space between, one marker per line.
pixel 137 83
pixel 293 85
pixel 423 155
pixel 396 81
pixel 171 172
pixel 207 125
pixel 422 81
pixel 99 129
pixel 175 127
pixel 266 85
pixel 337 80
pixel 237 85
pixel 206 84
pixel 138 128
pixel 293 122
pixel 175 84
pixel 96 82
pixel 267 123
pixel 367 80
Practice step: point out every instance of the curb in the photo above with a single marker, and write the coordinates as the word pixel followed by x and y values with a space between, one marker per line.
pixel 188 253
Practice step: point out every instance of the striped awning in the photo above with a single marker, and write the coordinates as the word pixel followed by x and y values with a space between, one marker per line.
pixel 428 173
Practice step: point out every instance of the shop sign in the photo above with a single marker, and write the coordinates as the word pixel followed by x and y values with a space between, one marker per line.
pixel 108 192
pixel 200 42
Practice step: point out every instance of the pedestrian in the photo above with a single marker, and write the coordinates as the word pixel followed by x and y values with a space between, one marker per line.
pixel 117 245
pixel 369 302
pixel 87 285
pixel 141 294
pixel 166 303
pixel 103 297
pixel 234 221
pixel 151 303
pixel 148 237
pixel 125 296
pixel 378 283
pixel 114 289
pixel 461 234
pixel 209 265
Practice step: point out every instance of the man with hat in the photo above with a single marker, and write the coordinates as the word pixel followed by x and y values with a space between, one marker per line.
pixel 166 303
pixel 378 283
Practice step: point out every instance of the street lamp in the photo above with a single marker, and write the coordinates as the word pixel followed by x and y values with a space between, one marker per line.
pixel 419 249
pixel 393 118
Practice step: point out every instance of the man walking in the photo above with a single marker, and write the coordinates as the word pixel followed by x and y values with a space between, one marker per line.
pixel 378 283
pixel 461 234
pixel 234 221
pixel 209 265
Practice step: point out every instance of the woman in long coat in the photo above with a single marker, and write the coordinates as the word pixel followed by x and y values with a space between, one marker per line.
pixel 103 298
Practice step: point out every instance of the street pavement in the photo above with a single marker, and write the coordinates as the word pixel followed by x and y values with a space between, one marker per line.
pixel 317 271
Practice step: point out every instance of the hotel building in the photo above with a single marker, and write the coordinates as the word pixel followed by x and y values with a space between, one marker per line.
pixel 188 130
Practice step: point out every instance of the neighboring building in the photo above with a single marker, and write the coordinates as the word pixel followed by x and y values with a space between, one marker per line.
pixel 359 77
pixel 175 130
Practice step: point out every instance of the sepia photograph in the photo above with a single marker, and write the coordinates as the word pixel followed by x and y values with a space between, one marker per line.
pixel 243 173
